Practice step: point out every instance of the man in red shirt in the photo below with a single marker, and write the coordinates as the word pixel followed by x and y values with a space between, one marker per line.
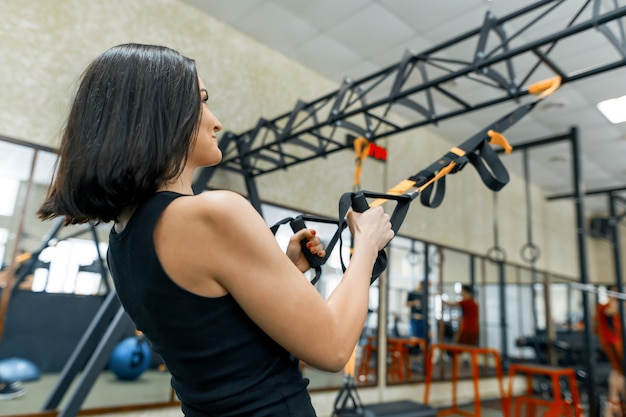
pixel 468 329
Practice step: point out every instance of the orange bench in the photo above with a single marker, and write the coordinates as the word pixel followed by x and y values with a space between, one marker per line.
pixel 475 352
pixel 398 350
pixel 557 406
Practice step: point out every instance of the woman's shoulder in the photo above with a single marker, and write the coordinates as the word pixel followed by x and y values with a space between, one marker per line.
pixel 210 200
pixel 219 205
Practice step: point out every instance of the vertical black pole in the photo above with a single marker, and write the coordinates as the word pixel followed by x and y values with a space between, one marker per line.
pixel 426 293
pixel 584 275
pixel 617 262
pixel 503 322
pixel 533 298
pixel 253 193
pixel 569 321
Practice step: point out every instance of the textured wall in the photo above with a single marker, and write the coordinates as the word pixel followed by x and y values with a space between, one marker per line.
pixel 46 44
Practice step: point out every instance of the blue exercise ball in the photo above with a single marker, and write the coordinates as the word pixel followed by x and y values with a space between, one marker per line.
pixel 130 358
pixel 18 369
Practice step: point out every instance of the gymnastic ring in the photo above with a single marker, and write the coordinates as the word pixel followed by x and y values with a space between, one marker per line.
pixel 530 252
pixel 496 254
pixel 413 257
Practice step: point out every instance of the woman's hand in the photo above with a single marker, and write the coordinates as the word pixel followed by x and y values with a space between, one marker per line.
pixel 372 227
pixel 294 250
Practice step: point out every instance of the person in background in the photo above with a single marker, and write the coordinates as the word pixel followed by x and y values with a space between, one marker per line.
pixel 10 389
pixel 414 302
pixel 468 332
pixel 608 328
pixel 201 276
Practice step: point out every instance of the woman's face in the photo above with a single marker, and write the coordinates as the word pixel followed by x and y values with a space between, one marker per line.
pixel 206 152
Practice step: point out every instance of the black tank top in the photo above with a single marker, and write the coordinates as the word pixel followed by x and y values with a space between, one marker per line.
pixel 222 363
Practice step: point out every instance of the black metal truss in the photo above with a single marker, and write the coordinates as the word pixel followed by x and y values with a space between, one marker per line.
pixel 497 61
pixel 608 191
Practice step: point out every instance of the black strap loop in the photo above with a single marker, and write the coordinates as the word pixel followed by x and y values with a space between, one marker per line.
pixel 489 166
pixel 428 199
pixel 397 217
pixel 315 261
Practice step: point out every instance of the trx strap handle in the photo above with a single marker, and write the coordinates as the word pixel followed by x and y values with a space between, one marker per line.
pixel 358 202
pixel 315 261
pixel 297 224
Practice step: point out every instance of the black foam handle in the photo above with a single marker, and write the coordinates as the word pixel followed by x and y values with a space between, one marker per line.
pixel 315 261
pixel 359 203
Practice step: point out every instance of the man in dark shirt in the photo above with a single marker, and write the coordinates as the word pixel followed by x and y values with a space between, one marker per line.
pixel 414 301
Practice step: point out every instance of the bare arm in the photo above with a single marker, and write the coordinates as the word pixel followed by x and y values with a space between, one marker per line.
pixel 224 244
pixel 450 303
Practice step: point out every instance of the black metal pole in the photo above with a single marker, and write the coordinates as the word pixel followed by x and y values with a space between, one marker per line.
pixel 584 275
pixel 96 364
pixel 426 292
pixel 84 349
pixel 503 322
pixel 253 192
pixel 617 262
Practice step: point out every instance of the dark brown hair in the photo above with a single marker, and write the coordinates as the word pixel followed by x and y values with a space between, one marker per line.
pixel 133 120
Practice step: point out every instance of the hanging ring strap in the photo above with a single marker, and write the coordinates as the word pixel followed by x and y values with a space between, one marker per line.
pixel 496 253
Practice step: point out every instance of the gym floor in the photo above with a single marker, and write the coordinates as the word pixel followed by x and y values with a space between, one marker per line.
pixel 152 386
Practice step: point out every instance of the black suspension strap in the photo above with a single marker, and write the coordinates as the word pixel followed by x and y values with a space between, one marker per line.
pixel 358 202
pixel 496 253
pixel 530 251
pixel 429 183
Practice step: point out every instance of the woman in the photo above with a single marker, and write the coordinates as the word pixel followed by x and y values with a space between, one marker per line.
pixel 201 275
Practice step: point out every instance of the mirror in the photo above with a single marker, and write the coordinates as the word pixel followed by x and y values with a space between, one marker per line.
pixel 411 308
pixel 517 308
pixel 60 284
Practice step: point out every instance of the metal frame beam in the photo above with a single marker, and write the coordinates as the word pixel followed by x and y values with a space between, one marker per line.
pixel 418 84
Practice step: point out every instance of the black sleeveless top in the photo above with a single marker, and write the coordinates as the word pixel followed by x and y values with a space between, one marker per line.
pixel 222 363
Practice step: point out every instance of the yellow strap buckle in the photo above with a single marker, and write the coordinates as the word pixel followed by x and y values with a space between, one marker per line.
pixel 546 87
pixel 496 138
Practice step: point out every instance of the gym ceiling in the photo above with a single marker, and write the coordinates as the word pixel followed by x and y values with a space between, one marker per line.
pixel 357 38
